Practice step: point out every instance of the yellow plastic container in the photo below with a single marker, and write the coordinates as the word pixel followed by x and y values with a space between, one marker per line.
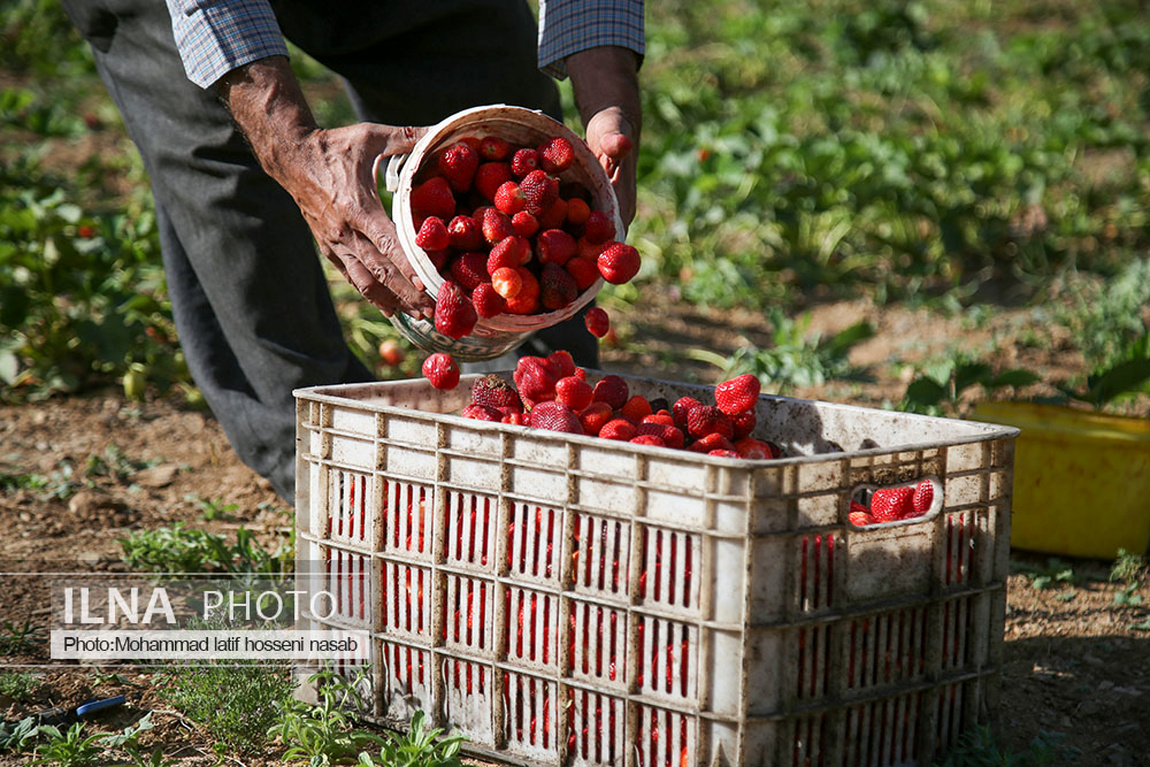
pixel 1081 479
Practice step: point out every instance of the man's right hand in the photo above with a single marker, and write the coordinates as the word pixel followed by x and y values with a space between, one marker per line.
pixel 331 176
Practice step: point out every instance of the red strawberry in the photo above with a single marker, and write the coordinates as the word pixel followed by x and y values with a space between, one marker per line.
pixel 562 363
pixel 744 423
pixel 523 162
pixel 509 198
pixel 573 392
pixel 496 226
pixel 557 288
pixel 636 408
pixel 723 453
pixel 432 234
pixel 891 503
pixel 922 499
pixel 737 395
pixel 711 442
pixel 464 233
pixel 526 225
pixel 482 412
pixel 470 270
pixel 454 313
pixel 535 379
pixel 755 449
pixel 577 211
pixel 555 215
pixel 618 263
pixel 681 408
pixel 506 282
pixel 598 228
pixel 613 390
pixel 708 419
pixel 659 416
pixel 647 439
pixel 440 369
pixel 458 164
pixel 554 246
pixel 496 392
pixel 584 270
pixel 669 435
pixel 526 301
pixel 489 177
pixel 540 190
pixel 556 155
pixel 860 518
pixel 555 416
pixel 596 320
pixel 488 303
pixel 433 198
pixel 494 149
pixel 594 416
pixel 519 419
pixel 510 251
pixel 618 429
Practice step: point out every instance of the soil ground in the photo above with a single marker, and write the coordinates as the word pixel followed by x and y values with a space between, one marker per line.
pixel 1074 663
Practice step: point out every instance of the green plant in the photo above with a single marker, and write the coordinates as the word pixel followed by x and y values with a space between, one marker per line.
pixel 421 746
pixel 797 358
pixel 16 638
pixel 939 389
pixel 324 733
pixel 1128 570
pixel 115 464
pixel 1053 573
pixel 180 549
pixel 213 509
pixel 16 685
pixel 978 748
pixel 235 704
pixel 72 748
pixel 18 737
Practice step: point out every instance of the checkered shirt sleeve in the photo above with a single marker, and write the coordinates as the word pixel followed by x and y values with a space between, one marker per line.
pixel 216 36
pixel 570 26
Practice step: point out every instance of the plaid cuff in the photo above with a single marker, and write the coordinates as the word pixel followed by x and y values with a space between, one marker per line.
pixel 216 36
pixel 570 26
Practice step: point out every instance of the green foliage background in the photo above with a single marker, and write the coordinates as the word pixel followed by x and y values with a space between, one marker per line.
pixel 910 151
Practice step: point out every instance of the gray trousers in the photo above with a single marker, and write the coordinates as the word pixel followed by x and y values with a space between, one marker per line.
pixel 249 297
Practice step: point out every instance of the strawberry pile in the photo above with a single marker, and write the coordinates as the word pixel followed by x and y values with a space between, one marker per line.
pixel 553 393
pixel 509 234
pixel 891 504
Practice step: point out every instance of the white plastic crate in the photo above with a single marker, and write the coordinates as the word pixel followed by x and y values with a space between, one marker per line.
pixel 572 600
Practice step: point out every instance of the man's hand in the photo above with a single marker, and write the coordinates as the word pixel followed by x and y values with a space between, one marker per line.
pixel 606 86
pixel 331 176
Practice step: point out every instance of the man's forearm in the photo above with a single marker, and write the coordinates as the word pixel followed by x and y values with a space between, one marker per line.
pixel 605 78
pixel 269 106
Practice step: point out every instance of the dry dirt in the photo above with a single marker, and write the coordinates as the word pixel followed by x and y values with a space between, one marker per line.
pixel 1074 662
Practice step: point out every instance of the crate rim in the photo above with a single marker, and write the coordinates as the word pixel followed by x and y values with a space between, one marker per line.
pixel 977 431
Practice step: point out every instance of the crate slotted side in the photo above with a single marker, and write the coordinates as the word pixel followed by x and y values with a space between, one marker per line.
pixel 572 600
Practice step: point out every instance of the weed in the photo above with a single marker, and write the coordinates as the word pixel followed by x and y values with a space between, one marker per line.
pixel 421 746
pixel 797 358
pixel 214 509
pixel 323 733
pixel 978 748
pixel 938 390
pixel 17 685
pixel 1128 570
pixel 72 748
pixel 115 464
pixel 1055 572
pixel 18 737
pixel 235 704
pixel 180 549
pixel 15 638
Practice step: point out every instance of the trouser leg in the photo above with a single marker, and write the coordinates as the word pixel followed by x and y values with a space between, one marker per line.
pixel 249 296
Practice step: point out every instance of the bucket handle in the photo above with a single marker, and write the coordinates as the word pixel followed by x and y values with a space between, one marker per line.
pixel 391 173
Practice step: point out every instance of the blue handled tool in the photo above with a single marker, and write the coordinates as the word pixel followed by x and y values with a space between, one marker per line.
pixel 76 713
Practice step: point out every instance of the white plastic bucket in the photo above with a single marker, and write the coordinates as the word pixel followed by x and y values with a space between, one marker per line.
pixel 495 335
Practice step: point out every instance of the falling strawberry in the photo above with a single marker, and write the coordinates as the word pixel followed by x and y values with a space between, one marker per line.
pixel 618 263
pixel 441 370
pixel 737 395
pixel 597 321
